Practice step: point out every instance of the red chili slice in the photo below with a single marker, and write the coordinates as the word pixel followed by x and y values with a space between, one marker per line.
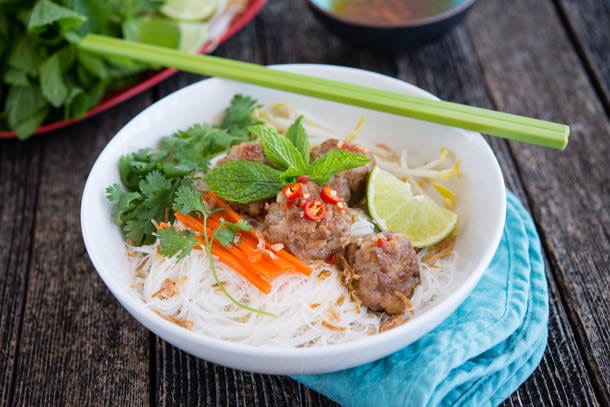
pixel 330 195
pixel 314 210
pixel 292 191
pixel 303 179
pixel 331 259
pixel 382 243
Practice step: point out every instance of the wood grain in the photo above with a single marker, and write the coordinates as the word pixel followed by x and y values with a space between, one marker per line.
pixel 575 226
pixel 74 334
pixel 588 24
pixel 64 340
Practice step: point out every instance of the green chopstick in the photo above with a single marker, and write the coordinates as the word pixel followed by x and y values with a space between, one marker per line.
pixel 505 125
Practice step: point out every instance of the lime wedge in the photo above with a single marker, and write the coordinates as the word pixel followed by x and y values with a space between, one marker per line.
pixel 393 206
pixel 192 36
pixel 151 30
pixel 189 10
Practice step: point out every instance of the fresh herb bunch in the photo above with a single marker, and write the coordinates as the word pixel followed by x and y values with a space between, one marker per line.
pixel 46 77
pixel 248 181
pixel 152 177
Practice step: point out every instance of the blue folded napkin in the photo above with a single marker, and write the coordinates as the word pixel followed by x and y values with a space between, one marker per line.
pixel 480 354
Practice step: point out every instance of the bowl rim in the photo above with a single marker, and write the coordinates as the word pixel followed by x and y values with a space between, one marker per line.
pixel 405 24
pixel 185 339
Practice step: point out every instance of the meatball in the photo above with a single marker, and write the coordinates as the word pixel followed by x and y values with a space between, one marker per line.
pixel 247 151
pixel 286 222
pixel 350 184
pixel 387 270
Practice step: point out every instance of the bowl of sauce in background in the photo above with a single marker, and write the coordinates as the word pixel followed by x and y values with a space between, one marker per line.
pixel 390 25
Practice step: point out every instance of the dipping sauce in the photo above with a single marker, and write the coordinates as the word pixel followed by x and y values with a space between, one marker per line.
pixel 389 12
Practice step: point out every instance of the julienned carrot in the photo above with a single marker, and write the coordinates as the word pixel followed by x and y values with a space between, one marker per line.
pixel 190 222
pixel 254 255
pixel 229 214
pixel 259 265
pixel 228 258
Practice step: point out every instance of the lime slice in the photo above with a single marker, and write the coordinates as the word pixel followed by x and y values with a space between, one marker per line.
pixel 192 36
pixel 393 207
pixel 189 10
pixel 152 30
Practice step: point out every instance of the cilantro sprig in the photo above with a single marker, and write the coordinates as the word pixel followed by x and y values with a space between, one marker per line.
pixel 248 181
pixel 180 243
pixel 152 177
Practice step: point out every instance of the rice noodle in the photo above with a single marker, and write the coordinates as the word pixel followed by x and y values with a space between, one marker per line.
pixel 310 311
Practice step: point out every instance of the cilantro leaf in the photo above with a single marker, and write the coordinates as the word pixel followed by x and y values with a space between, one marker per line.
pixel 224 236
pixel 188 200
pixel 176 243
pixel 278 149
pixel 244 181
pixel 297 136
pixel 333 162
pixel 238 116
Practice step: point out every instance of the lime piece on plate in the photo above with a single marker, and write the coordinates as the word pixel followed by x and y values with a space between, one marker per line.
pixel 152 30
pixel 192 36
pixel 393 207
pixel 189 10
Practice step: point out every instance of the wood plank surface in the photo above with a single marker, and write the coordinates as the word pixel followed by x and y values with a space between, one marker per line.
pixel 74 334
pixel 64 340
pixel 574 226
pixel 588 23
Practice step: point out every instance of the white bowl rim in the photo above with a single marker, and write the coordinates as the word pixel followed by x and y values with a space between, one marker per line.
pixel 168 330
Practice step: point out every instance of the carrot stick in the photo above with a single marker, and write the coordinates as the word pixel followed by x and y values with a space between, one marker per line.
pixel 189 222
pixel 228 258
pixel 254 255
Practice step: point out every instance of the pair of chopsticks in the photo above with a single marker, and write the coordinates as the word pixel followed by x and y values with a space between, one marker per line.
pixel 494 123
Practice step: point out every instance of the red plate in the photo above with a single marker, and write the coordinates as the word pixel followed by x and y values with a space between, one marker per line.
pixel 254 6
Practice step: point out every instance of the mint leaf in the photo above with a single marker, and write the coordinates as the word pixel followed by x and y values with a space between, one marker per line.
pixel 46 13
pixel 76 104
pixel 278 149
pixel 297 136
pixel 290 176
pixel 333 162
pixel 51 81
pixel 174 242
pixel 26 109
pixel 244 181
pixel 188 200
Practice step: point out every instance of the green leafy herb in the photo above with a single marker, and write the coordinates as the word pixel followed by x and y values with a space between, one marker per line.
pixel 278 149
pixel 333 162
pixel 39 56
pixel 244 181
pixel 188 200
pixel 297 136
pixel 177 243
pixel 153 177
pixel 248 181
pixel 238 117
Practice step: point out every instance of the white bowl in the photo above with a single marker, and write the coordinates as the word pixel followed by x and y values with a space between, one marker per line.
pixel 481 206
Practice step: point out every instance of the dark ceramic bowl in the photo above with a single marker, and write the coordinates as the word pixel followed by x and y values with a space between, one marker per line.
pixel 396 30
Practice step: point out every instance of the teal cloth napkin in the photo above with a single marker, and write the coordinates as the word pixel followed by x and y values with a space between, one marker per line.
pixel 480 354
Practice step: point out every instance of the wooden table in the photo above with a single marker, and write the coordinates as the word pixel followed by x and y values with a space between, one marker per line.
pixel 64 340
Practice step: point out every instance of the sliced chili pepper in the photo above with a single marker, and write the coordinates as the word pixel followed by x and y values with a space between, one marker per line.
pixel 382 243
pixel 331 259
pixel 330 195
pixel 314 210
pixel 292 191
pixel 303 179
